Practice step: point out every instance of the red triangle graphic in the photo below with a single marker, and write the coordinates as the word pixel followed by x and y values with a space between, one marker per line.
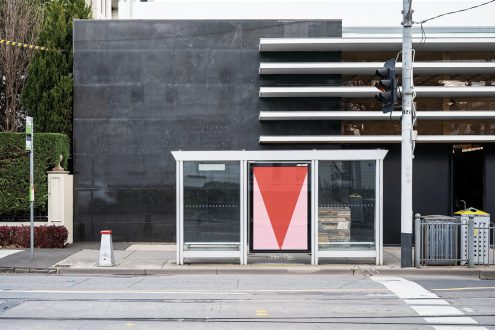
pixel 280 188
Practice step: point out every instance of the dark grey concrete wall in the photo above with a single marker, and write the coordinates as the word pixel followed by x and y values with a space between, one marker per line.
pixel 144 88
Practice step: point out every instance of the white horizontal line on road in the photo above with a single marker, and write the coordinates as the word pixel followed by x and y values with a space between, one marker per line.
pixel 232 292
pixel 455 327
pixel 426 302
pixel 436 310
pixel 122 292
pixel 313 290
pixel 452 320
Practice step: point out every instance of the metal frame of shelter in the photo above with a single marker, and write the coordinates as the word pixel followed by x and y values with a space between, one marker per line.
pixel 240 250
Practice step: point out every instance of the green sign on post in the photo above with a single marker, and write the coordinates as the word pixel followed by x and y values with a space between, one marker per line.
pixel 31 193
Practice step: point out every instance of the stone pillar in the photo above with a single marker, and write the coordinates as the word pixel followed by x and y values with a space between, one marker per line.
pixel 60 202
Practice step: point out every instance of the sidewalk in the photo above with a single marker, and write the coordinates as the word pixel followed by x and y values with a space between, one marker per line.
pixel 159 259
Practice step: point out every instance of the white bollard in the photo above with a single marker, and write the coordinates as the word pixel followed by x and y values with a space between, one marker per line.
pixel 106 249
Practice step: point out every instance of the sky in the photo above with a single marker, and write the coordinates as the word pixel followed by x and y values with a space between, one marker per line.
pixel 354 13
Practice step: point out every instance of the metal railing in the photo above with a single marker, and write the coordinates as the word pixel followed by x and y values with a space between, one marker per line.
pixel 444 240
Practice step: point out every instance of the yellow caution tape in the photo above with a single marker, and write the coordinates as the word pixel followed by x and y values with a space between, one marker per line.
pixel 471 210
pixel 23 45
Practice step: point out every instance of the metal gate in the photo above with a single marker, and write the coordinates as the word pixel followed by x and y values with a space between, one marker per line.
pixel 444 240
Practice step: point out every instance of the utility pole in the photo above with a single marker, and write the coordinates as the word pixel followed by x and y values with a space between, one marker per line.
pixel 407 137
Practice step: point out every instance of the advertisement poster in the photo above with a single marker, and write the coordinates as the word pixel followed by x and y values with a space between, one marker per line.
pixel 280 208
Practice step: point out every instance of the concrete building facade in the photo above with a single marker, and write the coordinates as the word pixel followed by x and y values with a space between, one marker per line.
pixel 143 88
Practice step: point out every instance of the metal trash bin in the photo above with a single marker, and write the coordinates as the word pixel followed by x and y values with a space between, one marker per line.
pixel 481 234
pixel 440 239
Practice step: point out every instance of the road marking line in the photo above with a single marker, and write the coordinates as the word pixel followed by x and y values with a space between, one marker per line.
pixel 120 292
pixel 455 327
pixel 261 312
pixel 436 310
pixel 311 290
pixel 452 320
pixel 232 292
pixel 426 302
pixel 415 296
pixel 468 288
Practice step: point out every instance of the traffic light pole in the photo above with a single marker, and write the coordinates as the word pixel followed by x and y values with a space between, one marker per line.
pixel 407 138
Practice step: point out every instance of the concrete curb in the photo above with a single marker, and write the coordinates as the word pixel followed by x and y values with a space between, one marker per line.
pixel 464 272
pixel 21 270
pixel 4 270
pixel 487 274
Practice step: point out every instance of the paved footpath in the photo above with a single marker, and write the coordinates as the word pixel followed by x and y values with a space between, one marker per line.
pixel 150 259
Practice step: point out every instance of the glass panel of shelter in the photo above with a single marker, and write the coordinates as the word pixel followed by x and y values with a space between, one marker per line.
pixel 346 205
pixel 211 205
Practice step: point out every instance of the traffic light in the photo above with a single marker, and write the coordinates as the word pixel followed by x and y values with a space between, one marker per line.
pixel 387 85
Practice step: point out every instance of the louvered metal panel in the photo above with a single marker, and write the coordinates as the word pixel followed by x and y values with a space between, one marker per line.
pixel 373 44
pixel 373 115
pixel 368 68
pixel 295 139
pixel 368 92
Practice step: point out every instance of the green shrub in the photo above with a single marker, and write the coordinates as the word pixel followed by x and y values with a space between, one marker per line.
pixel 14 169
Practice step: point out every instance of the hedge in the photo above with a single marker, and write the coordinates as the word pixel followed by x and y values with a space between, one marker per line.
pixel 14 169
pixel 44 236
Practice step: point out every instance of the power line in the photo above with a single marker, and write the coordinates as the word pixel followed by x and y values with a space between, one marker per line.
pixel 454 12
pixel 423 37
pixel 423 33
pixel 29 46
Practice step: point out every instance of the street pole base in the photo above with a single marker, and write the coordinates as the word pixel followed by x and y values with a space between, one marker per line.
pixel 406 259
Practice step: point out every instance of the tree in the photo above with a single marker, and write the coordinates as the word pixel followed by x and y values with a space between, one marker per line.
pixel 47 95
pixel 19 21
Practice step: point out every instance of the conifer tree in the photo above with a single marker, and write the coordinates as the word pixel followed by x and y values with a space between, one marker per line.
pixel 47 95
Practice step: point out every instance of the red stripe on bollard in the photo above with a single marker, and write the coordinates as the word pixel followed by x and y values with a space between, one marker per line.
pixel 106 232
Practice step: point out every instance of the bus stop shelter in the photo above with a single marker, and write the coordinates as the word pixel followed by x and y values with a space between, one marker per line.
pixel 237 204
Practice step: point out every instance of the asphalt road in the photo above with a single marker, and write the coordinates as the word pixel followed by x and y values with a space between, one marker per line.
pixel 294 301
